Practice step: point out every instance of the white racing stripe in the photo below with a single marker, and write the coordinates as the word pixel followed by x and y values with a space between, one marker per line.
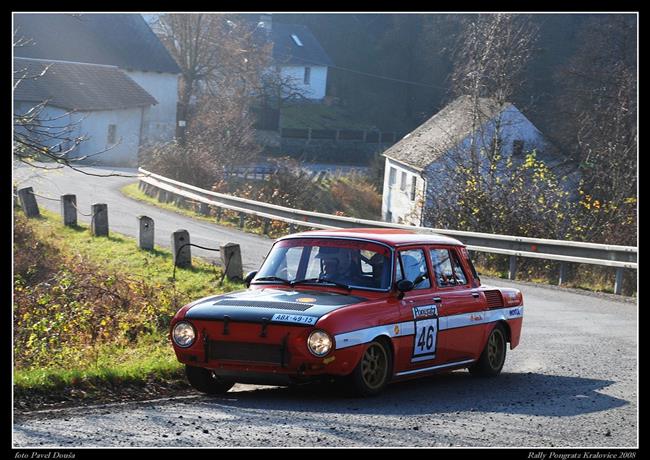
pixel 361 336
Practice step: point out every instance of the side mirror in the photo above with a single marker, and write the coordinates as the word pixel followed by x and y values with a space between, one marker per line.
pixel 249 277
pixel 404 286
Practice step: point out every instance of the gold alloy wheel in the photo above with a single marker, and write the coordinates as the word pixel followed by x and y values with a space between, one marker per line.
pixel 496 348
pixel 374 366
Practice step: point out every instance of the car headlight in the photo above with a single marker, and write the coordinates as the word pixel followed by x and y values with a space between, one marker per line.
pixel 184 334
pixel 319 343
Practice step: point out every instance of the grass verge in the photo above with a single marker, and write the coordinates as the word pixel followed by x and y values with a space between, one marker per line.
pixel 129 356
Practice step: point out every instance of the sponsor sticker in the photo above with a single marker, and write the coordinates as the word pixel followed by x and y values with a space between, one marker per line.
pixel 428 311
pixel 306 299
pixel 475 317
pixel 515 312
pixel 300 319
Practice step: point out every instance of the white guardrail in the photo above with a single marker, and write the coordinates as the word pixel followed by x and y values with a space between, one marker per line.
pixel 620 257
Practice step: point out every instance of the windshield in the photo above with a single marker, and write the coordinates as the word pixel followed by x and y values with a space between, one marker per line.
pixel 346 263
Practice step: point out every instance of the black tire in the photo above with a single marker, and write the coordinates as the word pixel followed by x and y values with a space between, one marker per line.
pixel 374 370
pixel 205 381
pixel 494 355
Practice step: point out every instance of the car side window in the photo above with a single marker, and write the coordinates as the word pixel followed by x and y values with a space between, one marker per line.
pixel 447 268
pixel 415 268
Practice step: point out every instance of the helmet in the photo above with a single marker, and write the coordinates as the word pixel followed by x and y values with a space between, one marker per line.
pixel 340 258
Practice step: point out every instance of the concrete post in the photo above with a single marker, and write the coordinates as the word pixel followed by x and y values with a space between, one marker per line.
pixel 563 274
pixel 182 256
pixel 145 233
pixel 99 219
pixel 69 210
pixel 513 267
pixel 231 259
pixel 618 284
pixel 242 219
pixel 28 202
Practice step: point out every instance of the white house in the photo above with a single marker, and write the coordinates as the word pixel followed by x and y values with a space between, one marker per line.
pixel 124 41
pixel 99 103
pixel 413 166
pixel 299 58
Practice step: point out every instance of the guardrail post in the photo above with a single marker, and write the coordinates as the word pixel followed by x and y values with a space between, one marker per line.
pixel 267 225
pixel 182 256
pixel 219 214
pixel 242 219
pixel 231 259
pixel 145 232
pixel 618 283
pixel 512 268
pixel 204 209
pixel 28 202
pixel 99 219
pixel 292 228
pixel 563 274
pixel 69 210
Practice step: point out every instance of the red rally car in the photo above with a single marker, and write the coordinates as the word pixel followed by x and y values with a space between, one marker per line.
pixel 372 305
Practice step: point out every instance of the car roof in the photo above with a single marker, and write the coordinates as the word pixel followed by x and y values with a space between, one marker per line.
pixel 391 236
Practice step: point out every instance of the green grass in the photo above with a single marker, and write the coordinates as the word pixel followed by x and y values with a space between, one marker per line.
pixel 151 356
pixel 119 252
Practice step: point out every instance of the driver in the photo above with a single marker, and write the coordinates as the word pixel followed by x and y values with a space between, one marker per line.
pixel 335 264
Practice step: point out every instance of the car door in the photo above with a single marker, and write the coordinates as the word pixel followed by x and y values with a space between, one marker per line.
pixel 460 305
pixel 417 309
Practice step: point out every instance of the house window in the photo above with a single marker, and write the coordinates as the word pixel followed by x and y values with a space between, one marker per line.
pixel 307 77
pixel 414 183
pixel 402 182
pixel 517 147
pixel 391 177
pixel 112 134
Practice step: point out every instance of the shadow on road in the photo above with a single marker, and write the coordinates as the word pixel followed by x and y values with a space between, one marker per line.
pixel 528 393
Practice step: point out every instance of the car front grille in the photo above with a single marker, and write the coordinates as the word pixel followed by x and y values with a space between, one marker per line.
pixel 248 352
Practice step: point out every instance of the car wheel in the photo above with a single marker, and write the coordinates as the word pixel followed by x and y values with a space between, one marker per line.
pixel 205 381
pixel 374 370
pixel 494 355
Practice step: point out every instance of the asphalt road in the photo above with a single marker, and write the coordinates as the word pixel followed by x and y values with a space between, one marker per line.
pixel 572 382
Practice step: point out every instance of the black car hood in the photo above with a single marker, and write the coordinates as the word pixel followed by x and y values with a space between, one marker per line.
pixel 302 307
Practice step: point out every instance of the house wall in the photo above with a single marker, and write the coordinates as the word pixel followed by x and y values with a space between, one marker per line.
pixel 159 124
pixel 94 126
pixel 52 117
pixel 397 205
pixel 512 125
pixel 317 83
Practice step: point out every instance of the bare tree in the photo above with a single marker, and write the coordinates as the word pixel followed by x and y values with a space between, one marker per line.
pixel 597 121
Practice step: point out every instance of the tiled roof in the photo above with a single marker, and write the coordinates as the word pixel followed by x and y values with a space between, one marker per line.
pixel 81 87
pixel 442 131
pixel 287 51
pixel 123 40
